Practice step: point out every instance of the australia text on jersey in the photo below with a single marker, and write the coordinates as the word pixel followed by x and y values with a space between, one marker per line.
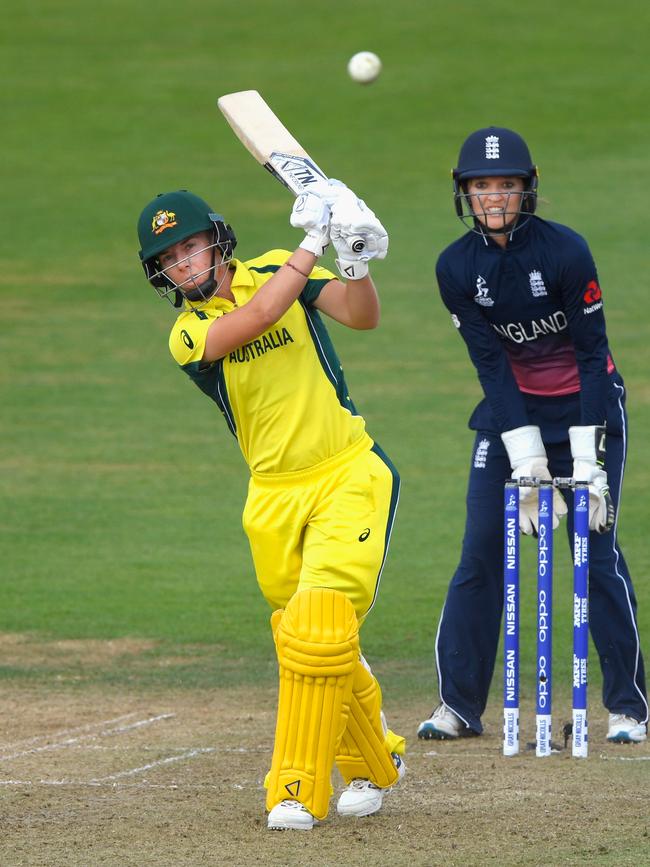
pixel 265 342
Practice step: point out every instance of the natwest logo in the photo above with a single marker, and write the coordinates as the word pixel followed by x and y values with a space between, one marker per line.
pixel 592 293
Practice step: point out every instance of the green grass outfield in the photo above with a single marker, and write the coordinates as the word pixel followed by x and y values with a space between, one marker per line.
pixel 121 489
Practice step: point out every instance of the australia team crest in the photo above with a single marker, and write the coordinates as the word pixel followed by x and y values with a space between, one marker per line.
pixel 162 220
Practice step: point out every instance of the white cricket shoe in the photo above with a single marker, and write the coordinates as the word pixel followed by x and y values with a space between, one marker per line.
pixel 363 798
pixel 625 729
pixel 290 816
pixel 443 724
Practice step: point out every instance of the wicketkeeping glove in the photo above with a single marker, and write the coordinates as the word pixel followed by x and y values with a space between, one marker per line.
pixel 527 456
pixel 312 213
pixel 588 451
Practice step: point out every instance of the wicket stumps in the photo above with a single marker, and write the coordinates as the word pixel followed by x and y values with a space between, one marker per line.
pixel 580 617
pixel 511 573
pixel 511 619
pixel 543 710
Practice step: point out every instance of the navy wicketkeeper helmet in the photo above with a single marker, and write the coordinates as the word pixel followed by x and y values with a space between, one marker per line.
pixel 494 152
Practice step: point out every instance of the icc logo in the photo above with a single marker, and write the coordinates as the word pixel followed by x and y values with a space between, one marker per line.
pixel 511 502
pixel 543 508
pixel 582 503
pixel 482 290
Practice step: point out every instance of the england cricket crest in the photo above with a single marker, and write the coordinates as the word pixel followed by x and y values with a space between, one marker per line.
pixel 480 455
pixel 537 286
pixel 492 147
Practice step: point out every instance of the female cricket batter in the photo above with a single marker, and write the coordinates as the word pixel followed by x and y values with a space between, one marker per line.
pixel 524 295
pixel 322 495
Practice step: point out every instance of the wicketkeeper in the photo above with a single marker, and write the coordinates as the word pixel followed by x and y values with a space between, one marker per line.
pixel 524 295
pixel 322 495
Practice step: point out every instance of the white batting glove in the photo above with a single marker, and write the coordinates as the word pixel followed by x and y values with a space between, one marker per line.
pixel 527 457
pixel 355 251
pixel 588 451
pixel 352 259
pixel 352 267
pixel 311 213
pixel 329 190
pixel 353 220
pixel 359 240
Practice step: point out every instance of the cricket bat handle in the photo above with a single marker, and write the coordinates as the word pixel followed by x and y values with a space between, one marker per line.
pixel 357 243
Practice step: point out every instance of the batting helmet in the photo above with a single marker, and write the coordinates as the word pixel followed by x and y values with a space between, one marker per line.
pixel 169 219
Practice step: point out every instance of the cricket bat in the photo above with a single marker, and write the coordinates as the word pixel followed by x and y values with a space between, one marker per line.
pixel 270 142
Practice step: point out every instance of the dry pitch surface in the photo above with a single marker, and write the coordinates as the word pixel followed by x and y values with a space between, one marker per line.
pixel 114 778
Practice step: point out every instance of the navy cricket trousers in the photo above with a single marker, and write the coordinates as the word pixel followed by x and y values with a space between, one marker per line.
pixel 469 628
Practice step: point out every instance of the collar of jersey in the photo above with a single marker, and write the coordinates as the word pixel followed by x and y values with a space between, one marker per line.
pixel 241 281
pixel 241 284
pixel 519 238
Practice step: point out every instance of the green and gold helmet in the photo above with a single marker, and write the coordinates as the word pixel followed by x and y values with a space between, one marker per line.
pixel 169 219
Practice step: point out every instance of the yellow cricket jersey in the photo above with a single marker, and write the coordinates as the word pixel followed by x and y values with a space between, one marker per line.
pixel 283 394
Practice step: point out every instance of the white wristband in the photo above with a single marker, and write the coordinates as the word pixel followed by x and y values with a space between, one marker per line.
pixel 523 444
pixel 315 243
pixel 588 443
pixel 352 269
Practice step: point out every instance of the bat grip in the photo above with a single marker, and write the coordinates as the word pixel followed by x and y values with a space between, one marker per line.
pixel 357 243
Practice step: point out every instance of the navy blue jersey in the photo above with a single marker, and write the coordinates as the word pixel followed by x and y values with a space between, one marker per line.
pixel 532 317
